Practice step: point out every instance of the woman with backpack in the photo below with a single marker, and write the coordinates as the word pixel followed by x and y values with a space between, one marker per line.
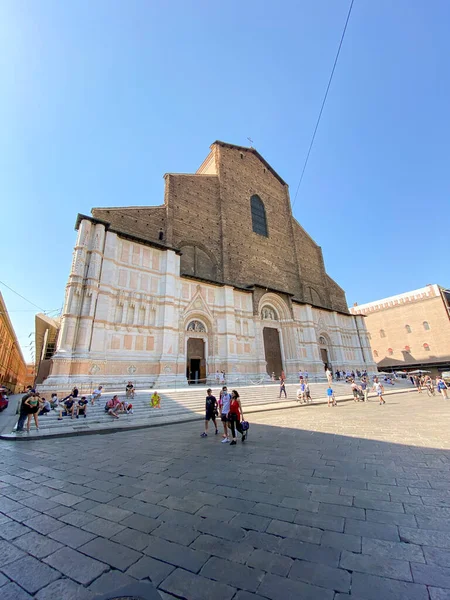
pixel 234 417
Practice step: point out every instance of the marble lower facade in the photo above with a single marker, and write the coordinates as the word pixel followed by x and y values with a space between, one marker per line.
pixel 130 315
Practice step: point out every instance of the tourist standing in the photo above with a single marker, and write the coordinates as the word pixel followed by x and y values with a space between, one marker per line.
pixel 234 417
pixel 329 376
pixel 23 411
pixel 379 389
pixel 282 389
pixel 33 408
pixel 224 405
pixel 211 412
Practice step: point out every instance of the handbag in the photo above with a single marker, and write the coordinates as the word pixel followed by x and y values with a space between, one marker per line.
pixel 245 425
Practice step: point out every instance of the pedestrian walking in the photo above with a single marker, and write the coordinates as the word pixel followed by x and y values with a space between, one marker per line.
pixel 301 392
pixel 307 393
pixel 234 417
pixel 331 397
pixel 224 406
pixel 365 389
pixel 379 389
pixel 211 412
pixel 282 389
pixel 355 391
pixel 329 376
pixel 442 387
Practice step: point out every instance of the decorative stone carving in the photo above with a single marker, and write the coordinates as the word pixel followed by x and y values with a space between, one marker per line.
pixel 131 370
pixel 94 370
pixel 268 313
pixel 196 326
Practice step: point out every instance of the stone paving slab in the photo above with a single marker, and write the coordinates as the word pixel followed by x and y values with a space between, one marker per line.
pixel 317 504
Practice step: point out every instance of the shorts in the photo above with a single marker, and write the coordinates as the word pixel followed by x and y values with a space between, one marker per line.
pixel 210 414
pixel 380 393
pixel 355 393
pixel 224 418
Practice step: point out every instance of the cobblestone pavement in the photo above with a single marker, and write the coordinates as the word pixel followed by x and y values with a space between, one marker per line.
pixel 324 503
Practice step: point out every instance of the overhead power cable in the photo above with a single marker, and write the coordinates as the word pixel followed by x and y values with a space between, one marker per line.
pixel 323 102
pixel 23 297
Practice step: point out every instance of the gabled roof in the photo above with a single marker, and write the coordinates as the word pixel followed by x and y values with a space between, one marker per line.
pixel 253 151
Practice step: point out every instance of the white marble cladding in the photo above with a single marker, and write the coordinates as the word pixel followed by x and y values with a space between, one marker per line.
pixel 128 308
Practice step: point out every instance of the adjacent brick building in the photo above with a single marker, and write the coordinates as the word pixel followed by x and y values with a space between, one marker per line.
pixel 410 330
pixel 13 370
pixel 220 277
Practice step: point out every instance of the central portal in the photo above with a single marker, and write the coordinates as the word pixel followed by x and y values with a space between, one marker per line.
pixel 272 351
pixel 196 363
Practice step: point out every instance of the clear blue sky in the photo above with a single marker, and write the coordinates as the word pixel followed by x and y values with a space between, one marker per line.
pixel 100 99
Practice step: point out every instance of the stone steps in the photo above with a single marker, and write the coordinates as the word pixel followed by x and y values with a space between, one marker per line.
pixel 177 405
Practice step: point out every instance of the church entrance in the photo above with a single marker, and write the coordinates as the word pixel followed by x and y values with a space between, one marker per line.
pixel 196 363
pixel 272 351
pixel 324 355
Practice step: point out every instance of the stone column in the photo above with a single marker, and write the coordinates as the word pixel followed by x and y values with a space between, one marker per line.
pixel 72 305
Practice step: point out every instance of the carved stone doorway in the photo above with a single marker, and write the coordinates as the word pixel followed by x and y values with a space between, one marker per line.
pixel 195 362
pixel 272 351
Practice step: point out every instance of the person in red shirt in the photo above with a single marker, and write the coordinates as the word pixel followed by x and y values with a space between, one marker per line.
pixel 234 417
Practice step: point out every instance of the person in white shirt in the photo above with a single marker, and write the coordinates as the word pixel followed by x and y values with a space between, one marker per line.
pixel 379 389
pixel 96 394
pixel 224 405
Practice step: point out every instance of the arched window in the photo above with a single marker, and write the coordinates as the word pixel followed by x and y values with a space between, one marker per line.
pixel 259 221
pixel 408 328
pixel 390 351
pixel 322 341
pixel 375 353
pixel 426 347
pixel 382 334
pixel 426 325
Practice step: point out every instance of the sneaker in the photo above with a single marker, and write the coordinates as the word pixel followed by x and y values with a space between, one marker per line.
pixel 84 416
pixel 78 417
pixel 233 443
pixel 60 418
pixel 204 434
pixel 225 441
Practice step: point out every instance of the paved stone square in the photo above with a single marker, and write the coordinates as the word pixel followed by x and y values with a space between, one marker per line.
pixel 320 503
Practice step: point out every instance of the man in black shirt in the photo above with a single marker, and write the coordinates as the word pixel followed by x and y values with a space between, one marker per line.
pixel 211 412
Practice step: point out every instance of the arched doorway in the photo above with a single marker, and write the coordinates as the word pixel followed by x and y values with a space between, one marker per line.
pixel 324 352
pixel 195 353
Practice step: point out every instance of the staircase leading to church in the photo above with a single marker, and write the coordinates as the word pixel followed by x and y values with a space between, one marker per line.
pixel 178 406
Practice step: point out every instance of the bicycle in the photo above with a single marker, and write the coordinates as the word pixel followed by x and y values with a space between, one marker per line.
pixel 431 391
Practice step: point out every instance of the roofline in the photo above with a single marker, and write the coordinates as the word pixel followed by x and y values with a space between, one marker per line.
pixel 335 310
pixel 253 151
pixel 123 234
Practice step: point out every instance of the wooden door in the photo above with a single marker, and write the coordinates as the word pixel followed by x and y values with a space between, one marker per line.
pixel 272 351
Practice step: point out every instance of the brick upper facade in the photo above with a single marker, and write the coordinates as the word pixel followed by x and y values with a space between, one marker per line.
pixel 207 216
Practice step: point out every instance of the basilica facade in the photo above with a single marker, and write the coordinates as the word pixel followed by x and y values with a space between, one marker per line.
pixel 219 277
